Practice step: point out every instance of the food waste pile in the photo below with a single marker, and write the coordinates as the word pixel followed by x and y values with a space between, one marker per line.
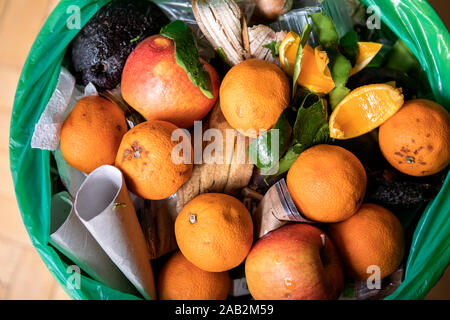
pixel 252 149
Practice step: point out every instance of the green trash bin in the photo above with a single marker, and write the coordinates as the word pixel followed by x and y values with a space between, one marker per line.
pixel 413 21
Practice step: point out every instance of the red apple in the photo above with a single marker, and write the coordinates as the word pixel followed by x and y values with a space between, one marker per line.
pixel 297 262
pixel 159 89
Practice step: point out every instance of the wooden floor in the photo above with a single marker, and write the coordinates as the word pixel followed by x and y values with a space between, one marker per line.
pixel 22 273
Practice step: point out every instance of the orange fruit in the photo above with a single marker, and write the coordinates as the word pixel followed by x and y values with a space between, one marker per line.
pixel 91 134
pixel 314 73
pixel 327 183
pixel 371 237
pixel 181 280
pixel 214 231
pixel 367 51
pixel 416 140
pixel 145 158
pixel 253 95
pixel 364 109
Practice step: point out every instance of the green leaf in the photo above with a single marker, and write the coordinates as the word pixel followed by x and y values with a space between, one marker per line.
pixel 289 158
pixel 349 46
pixel 274 47
pixel 186 55
pixel 298 58
pixel 322 135
pixel 309 122
pixel 310 128
pixel 262 151
pixel 222 55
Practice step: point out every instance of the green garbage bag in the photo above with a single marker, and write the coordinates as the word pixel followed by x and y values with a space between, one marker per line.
pixel 413 21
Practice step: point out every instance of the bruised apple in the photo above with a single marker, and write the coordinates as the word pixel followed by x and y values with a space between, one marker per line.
pixel 297 262
pixel 159 89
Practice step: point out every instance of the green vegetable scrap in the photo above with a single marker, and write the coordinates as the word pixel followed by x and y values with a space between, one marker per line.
pixel 298 58
pixel 339 65
pixel 328 35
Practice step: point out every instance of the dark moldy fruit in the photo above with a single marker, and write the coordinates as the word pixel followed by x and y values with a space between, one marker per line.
pixel 394 190
pixel 100 50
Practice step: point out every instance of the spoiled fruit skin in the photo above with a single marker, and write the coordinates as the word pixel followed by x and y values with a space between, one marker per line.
pixel 145 158
pixel 416 140
pixel 292 263
pixel 159 89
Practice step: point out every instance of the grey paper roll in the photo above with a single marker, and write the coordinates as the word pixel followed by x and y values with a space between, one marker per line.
pixel 69 236
pixel 104 207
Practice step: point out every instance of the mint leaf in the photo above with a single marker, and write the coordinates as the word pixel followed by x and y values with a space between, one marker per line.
pixel 274 47
pixel 186 55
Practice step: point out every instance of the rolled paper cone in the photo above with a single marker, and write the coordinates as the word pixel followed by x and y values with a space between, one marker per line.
pixel 70 237
pixel 275 210
pixel 104 207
